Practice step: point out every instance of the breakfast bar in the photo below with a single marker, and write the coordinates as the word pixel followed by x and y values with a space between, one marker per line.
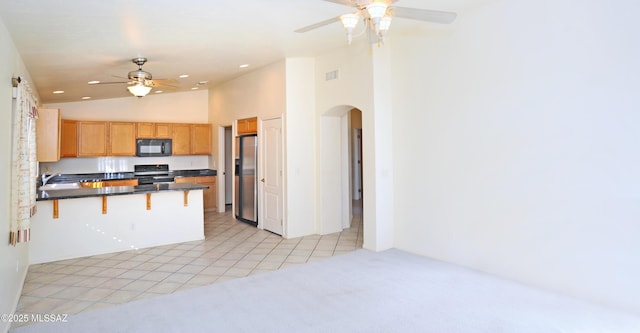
pixel 72 223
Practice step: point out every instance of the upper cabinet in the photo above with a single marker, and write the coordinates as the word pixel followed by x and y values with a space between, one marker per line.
pixel 181 139
pixel 247 126
pixel 69 138
pixel 201 139
pixel 146 130
pixel 163 130
pixel 92 138
pixel 102 138
pixel 48 130
pixel 122 139
pixel 153 130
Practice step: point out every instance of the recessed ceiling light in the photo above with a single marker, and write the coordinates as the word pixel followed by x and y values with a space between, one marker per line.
pixel 159 91
pixel 183 76
pixel 244 66
pixel 86 97
pixel 93 82
pixel 202 83
pixel 194 88
pixel 59 92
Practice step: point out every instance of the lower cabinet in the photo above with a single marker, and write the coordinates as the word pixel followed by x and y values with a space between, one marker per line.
pixel 208 195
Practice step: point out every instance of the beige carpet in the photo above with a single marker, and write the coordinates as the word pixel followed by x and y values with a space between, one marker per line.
pixel 363 291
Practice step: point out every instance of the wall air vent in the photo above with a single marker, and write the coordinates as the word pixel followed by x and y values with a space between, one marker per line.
pixel 333 75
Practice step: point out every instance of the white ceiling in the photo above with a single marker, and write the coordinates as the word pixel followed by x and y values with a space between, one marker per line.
pixel 66 43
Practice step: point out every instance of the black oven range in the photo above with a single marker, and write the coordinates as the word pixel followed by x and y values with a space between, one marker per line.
pixel 153 174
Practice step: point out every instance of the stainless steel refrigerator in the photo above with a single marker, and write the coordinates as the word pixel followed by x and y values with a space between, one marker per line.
pixel 246 182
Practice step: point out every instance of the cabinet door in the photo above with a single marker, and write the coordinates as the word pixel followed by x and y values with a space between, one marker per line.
pixel 185 180
pixel 241 126
pixel 252 125
pixel 163 131
pixel 201 139
pixel 92 138
pixel 247 126
pixel 145 130
pixel 122 139
pixel 48 128
pixel 209 200
pixel 181 139
pixel 69 138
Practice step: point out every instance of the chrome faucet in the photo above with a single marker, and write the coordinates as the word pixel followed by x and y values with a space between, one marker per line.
pixel 44 178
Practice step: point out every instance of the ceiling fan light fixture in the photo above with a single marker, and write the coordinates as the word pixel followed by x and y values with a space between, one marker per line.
pixel 385 23
pixel 139 90
pixel 349 21
pixel 377 10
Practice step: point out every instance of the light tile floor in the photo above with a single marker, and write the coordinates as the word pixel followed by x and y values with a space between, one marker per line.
pixel 231 249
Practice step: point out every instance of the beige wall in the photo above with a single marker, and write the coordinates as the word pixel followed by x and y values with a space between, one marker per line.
pixel 516 145
pixel 13 260
pixel 179 107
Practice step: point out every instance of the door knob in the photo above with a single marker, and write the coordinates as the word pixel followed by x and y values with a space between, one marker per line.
pixel 262 180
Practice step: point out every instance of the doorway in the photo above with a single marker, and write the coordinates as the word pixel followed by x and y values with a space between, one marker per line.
pixel 356 163
pixel 225 168
pixel 228 166
pixel 341 150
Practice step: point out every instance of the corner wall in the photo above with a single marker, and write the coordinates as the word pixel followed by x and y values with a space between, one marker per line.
pixel 355 87
pixel 13 260
pixel 516 145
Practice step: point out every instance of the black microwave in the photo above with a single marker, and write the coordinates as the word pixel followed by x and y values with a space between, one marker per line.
pixel 153 147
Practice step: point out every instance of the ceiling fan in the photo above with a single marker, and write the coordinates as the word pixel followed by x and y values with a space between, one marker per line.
pixel 377 15
pixel 140 81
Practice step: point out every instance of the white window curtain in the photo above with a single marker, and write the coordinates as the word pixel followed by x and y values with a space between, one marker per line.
pixel 24 164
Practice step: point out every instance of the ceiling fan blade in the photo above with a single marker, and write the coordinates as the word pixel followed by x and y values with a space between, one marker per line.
pixel 318 25
pixel 165 81
pixel 435 16
pixel 163 86
pixel 109 82
pixel 343 2
pixel 359 3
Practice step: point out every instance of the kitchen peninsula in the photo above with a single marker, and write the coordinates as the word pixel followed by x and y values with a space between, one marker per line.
pixel 72 223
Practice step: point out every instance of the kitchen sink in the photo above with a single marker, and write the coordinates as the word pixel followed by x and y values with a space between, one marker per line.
pixel 60 186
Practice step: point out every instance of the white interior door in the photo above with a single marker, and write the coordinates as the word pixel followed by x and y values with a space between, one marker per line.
pixel 272 175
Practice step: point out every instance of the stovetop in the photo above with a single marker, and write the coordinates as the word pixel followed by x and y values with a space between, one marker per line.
pixel 151 169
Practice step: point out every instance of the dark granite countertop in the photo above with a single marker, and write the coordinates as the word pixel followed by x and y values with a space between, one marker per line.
pixel 194 173
pixel 90 177
pixel 115 190
pixel 98 177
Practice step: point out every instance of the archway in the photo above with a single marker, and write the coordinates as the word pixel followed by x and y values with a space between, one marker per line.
pixel 339 167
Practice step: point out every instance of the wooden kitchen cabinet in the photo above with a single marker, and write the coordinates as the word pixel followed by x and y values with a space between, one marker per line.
pixel 122 139
pixel 247 126
pixel 200 139
pixel 153 130
pixel 163 131
pixel 209 197
pixel 48 135
pixel 146 130
pixel 185 180
pixel 92 138
pixel 181 135
pixel 69 138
